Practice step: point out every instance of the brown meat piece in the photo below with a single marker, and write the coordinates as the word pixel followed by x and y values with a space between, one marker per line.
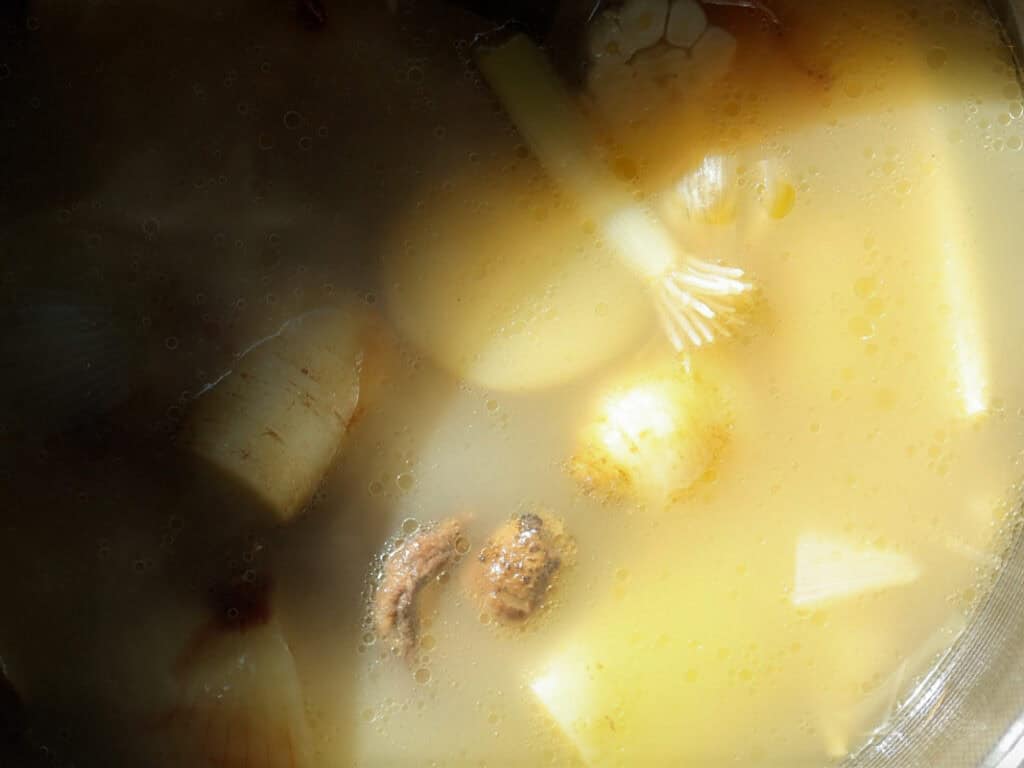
pixel 517 566
pixel 423 555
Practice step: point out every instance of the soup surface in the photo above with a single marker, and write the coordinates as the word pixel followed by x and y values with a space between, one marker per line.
pixel 763 544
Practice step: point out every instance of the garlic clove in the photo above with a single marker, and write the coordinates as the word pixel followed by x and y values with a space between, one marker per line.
pixel 643 23
pixel 686 23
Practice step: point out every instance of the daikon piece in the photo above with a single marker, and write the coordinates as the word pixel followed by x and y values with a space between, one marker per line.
pixel 241 704
pixel 830 568
pixel 274 424
pixel 565 687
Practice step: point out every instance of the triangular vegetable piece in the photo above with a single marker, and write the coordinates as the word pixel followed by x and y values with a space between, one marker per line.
pixel 830 568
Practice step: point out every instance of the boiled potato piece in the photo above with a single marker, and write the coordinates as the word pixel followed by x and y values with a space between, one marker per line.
pixel 652 438
pixel 504 287
pixel 275 422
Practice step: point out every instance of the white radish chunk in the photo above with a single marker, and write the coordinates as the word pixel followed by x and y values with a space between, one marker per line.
pixel 686 23
pixel 831 568
pixel 643 23
pixel 570 694
pixel 274 424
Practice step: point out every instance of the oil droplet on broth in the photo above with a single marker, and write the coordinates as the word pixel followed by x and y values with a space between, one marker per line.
pixel 862 327
pixel 865 286
pixel 885 399
pixel 874 307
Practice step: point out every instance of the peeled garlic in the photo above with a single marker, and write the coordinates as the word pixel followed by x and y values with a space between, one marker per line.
pixel 713 53
pixel 643 23
pixel 686 23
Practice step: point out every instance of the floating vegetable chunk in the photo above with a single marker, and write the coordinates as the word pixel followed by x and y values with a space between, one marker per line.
pixel 275 423
pixel 502 285
pixel 518 565
pixel 566 682
pixel 830 568
pixel 241 705
pixel 407 568
pixel 654 439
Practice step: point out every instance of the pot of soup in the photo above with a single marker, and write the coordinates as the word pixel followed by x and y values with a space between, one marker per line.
pixel 425 383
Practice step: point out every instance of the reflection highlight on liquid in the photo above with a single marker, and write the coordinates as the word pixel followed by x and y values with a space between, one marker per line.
pixel 972 383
